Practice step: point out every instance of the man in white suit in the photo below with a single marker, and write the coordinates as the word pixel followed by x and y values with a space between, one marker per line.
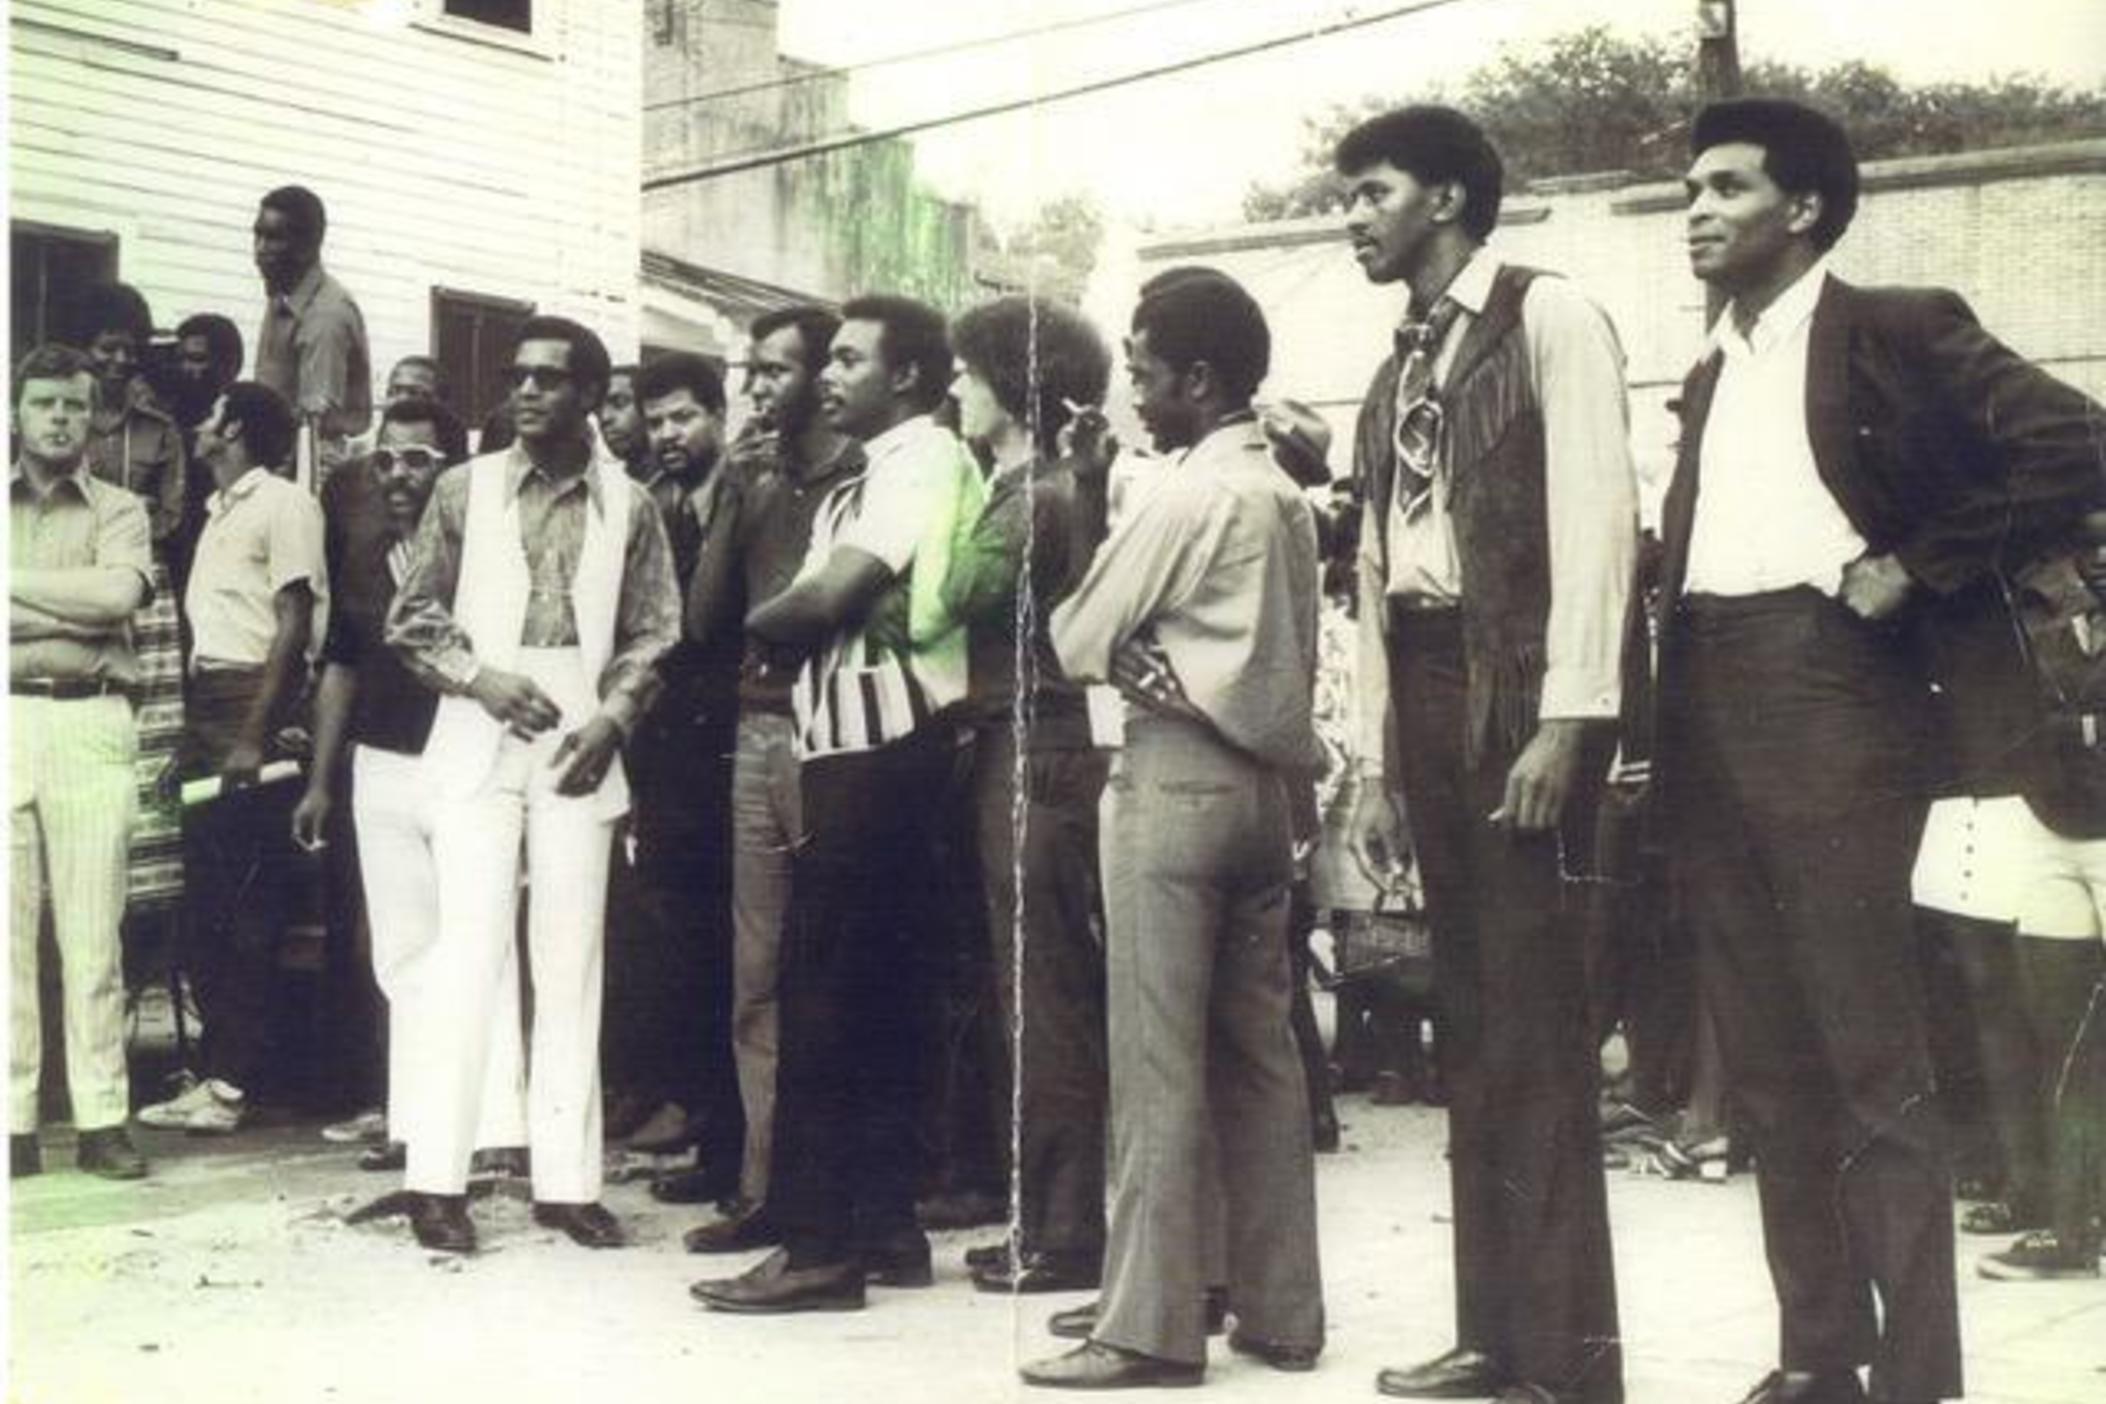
pixel 539 598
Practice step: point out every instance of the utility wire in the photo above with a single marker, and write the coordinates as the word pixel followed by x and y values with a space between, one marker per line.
pixel 959 46
pixel 760 160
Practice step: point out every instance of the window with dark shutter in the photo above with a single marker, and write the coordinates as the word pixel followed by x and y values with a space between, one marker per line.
pixel 49 265
pixel 515 15
pixel 472 338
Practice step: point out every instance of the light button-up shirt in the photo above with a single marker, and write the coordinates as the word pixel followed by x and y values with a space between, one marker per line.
pixel 1764 519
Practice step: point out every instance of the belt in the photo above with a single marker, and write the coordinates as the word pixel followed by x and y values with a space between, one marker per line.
pixel 64 689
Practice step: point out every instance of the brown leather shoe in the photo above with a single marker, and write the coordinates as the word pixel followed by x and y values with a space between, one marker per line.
pixel 1459 1374
pixel 107 1151
pixel 1096 1365
pixel 441 1222
pixel 774 1288
pixel 589 1225
pixel 904 1261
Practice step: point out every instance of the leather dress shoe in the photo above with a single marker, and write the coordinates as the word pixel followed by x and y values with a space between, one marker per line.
pixel 772 1288
pixel 1525 1394
pixel 1828 1387
pixel 388 1155
pixel 1459 1374
pixel 441 1223
pixel 736 1233
pixel 1096 1365
pixel 589 1225
pixel 1080 1323
pixel 107 1151
pixel 701 1185
pixel 988 1255
pixel 904 1261
pixel 1041 1272
pixel 1295 1359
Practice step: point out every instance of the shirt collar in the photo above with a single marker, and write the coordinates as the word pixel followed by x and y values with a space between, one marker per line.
pixel 241 487
pixel 302 294
pixel 1471 287
pixel 518 468
pixel 898 437
pixel 1787 312
pixel 18 477
pixel 1239 433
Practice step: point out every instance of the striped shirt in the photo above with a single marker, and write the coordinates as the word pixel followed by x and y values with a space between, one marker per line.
pixel 918 491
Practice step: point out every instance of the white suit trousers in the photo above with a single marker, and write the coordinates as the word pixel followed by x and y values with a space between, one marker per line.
pixel 476 843
pixel 391 810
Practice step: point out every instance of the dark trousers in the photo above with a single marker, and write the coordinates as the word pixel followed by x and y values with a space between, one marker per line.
pixel 1798 810
pixel 854 1004
pixel 1982 1050
pixel 1535 1287
pixel 237 861
pixel 1048 978
pixel 666 1029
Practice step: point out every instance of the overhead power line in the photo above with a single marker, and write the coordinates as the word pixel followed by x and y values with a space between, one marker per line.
pixel 760 160
pixel 958 46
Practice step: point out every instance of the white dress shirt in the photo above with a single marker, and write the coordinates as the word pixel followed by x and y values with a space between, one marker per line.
pixel 1764 519
pixel 261 534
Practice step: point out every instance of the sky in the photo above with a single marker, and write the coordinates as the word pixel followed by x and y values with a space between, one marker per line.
pixel 1178 152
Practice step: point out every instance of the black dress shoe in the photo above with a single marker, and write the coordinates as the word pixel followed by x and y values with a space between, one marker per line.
pixel 441 1222
pixel 388 1155
pixel 904 1261
pixel 1296 1359
pixel 988 1255
pixel 23 1157
pixel 740 1233
pixel 1096 1365
pixel 1041 1272
pixel 1827 1387
pixel 107 1151
pixel 589 1225
pixel 774 1288
pixel 702 1185
pixel 1080 1323
pixel 1460 1374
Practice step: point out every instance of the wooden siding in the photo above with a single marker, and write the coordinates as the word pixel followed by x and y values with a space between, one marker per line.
pixel 448 154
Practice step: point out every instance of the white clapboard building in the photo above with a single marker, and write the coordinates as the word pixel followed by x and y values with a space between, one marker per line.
pixel 479 160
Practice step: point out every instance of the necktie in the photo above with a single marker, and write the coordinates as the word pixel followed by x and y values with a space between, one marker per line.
pixel 1417 434
pixel 398 562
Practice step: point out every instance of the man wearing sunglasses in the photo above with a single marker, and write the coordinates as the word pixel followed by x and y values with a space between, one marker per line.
pixel 371 711
pixel 539 599
pixel 1495 575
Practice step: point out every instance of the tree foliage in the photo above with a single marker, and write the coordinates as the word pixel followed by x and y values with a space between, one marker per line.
pixel 1592 100
pixel 1054 253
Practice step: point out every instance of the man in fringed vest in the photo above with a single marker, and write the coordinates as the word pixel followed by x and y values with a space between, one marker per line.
pixel 1495 580
pixel 539 599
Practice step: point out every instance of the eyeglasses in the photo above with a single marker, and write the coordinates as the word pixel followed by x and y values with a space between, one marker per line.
pixel 545 378
pixel 414 459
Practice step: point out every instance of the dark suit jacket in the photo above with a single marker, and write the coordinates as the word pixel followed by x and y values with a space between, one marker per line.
pixel 1949 450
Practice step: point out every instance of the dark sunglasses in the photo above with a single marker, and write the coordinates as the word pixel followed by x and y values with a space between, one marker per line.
pixel 543 377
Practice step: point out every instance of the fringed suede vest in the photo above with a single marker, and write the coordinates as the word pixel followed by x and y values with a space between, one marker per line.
pixel 1497 507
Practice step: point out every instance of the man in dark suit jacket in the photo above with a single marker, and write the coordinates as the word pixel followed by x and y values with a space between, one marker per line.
pixel 1856 468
